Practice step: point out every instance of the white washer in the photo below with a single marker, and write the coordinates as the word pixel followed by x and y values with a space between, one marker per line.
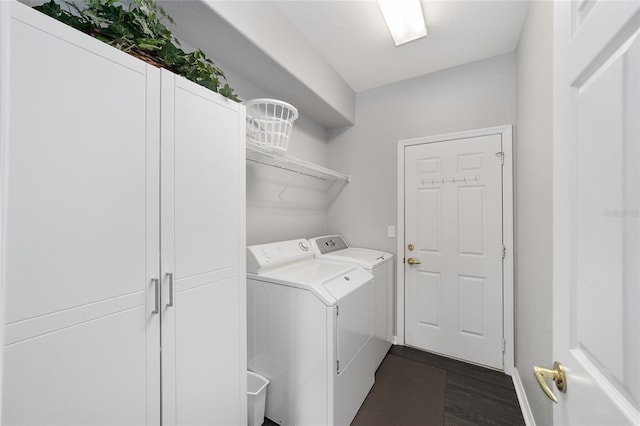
pixel 380 265
pixel 308 323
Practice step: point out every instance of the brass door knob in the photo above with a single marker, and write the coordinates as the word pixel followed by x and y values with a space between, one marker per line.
pixel 412 261
pixel 556 374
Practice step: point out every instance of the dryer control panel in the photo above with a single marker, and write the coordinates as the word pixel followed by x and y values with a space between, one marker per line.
pixel 329 244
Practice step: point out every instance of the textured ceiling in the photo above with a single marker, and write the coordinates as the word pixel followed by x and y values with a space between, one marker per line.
pixel 354 39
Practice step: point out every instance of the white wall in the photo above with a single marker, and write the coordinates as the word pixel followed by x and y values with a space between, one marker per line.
pixel 282 205
pixel 534 187
pixel 476 95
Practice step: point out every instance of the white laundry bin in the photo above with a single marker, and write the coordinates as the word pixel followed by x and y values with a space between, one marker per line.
pixel 256 398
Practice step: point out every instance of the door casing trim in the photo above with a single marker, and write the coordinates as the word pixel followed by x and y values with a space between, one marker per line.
pixel 508 301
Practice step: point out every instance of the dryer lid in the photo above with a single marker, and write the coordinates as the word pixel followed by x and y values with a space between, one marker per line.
pixel 347 283
pixel 367 258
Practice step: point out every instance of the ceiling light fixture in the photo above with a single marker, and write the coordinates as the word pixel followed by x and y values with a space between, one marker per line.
pixel 404 19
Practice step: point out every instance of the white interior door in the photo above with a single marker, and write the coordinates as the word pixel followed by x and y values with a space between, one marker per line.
pixel 597 211
pixel 453 220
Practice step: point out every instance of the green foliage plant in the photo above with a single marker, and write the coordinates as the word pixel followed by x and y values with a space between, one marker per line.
pixel 138 28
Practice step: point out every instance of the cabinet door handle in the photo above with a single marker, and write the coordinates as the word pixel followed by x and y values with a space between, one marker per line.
pixel 156 283
pixel 170 276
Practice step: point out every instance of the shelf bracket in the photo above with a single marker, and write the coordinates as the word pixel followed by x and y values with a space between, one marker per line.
pixel 295 176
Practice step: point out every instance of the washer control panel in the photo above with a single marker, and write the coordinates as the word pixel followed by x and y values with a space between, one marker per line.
pixel 263 257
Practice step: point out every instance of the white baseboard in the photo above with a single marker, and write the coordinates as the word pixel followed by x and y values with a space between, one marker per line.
pixel 522 399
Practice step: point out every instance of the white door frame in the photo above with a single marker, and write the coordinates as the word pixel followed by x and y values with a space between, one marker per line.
pixel 507 232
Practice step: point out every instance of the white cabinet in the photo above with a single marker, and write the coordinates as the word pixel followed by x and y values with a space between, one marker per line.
pixel 94 198
pixel 80 230
pixel 203 260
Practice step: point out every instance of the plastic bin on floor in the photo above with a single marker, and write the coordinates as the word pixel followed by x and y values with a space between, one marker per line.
pixel 256 398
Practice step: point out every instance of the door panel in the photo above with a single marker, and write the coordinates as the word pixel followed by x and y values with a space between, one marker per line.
pixel 596 211
pixel 429 290
pixel 453 215
pixel 429 226
pixel 70 214
pixel 471 220
pixel 207 382
pixel 91 373
pixel 206 185
pixel 599 238
pixel 471 305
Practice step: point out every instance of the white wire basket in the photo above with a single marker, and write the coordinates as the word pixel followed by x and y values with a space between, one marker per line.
pixel 269 123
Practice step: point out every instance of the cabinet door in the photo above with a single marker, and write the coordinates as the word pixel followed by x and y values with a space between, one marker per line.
pixel 81 231
pixel 203 262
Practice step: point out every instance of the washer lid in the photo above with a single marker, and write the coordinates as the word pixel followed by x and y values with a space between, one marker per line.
pixel 311 272
pixel 318 276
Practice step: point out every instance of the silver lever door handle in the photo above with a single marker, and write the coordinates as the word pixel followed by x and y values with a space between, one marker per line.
pixel 156 283
pixel 170 276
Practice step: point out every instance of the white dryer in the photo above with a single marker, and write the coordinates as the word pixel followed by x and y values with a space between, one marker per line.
pixel 309 321
pixel 380 265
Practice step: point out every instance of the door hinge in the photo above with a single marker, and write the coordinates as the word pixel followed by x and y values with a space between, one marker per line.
pixel 337 310
pixel 337 366
pixel 504 345
pixel 504 251
pixel 501 155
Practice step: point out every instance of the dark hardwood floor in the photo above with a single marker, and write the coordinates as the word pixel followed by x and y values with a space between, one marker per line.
pixel 473 395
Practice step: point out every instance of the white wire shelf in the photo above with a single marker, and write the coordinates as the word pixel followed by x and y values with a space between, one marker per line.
pixel 269 157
